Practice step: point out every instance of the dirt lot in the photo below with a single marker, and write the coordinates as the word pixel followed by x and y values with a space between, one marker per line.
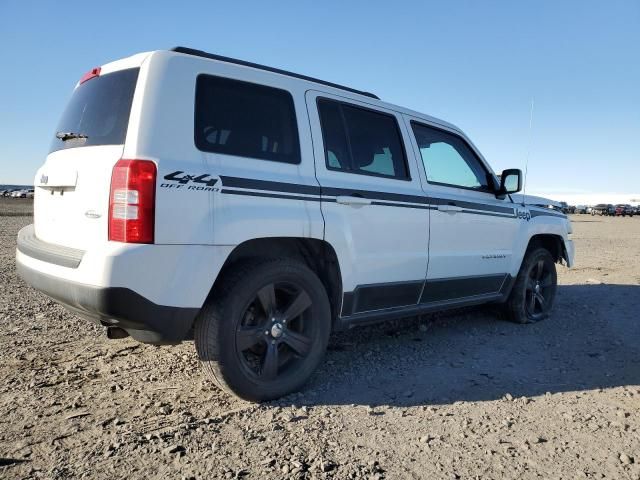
pixel 461 395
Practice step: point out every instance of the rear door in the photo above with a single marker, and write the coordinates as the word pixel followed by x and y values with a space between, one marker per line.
pixel 472 231
pixel 72 187
pixel 376 215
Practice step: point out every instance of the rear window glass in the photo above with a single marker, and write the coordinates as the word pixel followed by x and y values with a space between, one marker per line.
pixel 245 120
pixel 99 109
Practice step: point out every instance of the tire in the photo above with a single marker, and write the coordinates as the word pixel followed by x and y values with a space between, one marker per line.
pixel 263 333
pixel 528 303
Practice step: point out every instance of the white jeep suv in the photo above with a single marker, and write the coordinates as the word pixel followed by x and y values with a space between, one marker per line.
pixel 188 196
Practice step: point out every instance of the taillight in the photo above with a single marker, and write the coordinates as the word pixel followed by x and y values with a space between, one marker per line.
pixel 93 73
pixel 132 201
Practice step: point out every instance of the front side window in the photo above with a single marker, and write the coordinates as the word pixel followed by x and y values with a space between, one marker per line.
pixel 448 160
pixel 245 120
pixel 359 140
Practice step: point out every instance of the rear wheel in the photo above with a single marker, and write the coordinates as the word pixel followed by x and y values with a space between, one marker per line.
pixel 266 330
pixel 534 291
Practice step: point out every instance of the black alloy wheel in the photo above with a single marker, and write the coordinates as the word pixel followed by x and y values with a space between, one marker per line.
pixel 275 333
pixel 534 290
pixel 264 329
pixel 539 289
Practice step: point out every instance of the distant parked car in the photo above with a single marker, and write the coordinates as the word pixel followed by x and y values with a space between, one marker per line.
pixel 30 193
pixel 564 206
pixel 581 209
pixel 600 209
pixel 623 210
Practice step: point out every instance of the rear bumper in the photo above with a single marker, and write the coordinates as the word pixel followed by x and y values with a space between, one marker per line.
pixel 116 306
pixel 154 292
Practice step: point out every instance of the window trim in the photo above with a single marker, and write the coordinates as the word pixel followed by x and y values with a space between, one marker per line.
pixel 296 132
pixel 351 171
pixel 482 189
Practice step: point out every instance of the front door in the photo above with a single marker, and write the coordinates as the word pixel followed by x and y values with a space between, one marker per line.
pixel 472 231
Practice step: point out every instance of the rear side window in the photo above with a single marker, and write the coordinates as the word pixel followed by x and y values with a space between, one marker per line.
pixel 245 120
pixel 98 109
pixel 360 140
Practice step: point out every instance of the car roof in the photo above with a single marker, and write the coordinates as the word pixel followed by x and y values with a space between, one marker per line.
pixel 315 82
pixel 213 56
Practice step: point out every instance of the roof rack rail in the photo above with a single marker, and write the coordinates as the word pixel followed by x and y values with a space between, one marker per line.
pixel 200 53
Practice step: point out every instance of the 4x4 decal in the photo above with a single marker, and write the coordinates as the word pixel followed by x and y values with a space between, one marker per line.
pixel 180 179
pixel 175 176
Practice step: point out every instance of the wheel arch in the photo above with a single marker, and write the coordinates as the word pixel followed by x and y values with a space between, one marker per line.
pixel 316 254
pixel 551 242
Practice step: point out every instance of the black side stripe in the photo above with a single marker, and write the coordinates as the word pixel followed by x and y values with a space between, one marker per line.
pixel 285 190
pixel 403 205
pixel 490 214
pixel 472 205
pixel 269 195
pixel 374 195
pixel 269 185
pixel 538 213
pixel 318 199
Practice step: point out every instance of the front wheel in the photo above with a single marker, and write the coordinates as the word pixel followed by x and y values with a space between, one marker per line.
pixel 534 291
pixel 265 330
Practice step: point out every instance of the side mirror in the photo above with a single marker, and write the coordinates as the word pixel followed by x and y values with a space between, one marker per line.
pixel 510 181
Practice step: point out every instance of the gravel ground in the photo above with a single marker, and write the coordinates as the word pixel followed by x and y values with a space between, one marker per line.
pixel 461 395
pixel 16 207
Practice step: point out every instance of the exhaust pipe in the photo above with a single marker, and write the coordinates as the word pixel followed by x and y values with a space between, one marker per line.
pixel 114 333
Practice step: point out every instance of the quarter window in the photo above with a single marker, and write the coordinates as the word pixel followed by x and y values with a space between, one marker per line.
pixel 245 120
pixel 448 160
pixel 363 141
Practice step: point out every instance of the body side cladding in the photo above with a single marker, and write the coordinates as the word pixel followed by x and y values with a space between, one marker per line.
pixel 438 290
pixel 447 293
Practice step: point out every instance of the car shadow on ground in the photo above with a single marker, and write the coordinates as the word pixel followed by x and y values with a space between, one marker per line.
pixel 591 341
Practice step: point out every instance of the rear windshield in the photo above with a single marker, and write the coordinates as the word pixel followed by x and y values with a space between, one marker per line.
pixel 99 109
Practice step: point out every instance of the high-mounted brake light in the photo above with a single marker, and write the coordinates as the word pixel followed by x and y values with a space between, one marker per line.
pixel 132 201
pixel 94 72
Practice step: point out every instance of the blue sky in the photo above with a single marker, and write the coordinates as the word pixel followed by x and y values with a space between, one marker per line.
pixel 476 64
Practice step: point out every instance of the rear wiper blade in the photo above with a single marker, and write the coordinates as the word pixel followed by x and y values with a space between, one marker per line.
pixel 64 136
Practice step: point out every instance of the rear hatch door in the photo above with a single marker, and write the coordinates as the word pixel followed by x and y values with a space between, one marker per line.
pixel 72 187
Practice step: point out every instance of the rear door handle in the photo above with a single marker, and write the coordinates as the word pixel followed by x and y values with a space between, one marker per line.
pixel 351 200
pixel 449 208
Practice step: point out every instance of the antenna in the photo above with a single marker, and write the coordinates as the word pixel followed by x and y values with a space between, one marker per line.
pixel 526 161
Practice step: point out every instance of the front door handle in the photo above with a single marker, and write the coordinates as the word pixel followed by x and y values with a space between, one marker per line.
pixel 449 208
pixel 351 200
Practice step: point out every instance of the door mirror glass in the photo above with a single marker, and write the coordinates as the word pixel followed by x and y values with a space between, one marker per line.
pixel 511 181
